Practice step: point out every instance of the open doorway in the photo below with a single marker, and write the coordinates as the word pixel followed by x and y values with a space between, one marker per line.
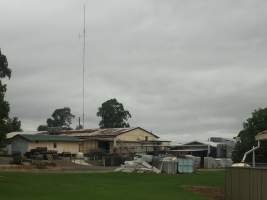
pixel 104 146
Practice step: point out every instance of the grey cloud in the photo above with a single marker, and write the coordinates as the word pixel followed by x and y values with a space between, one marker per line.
pixel 184 69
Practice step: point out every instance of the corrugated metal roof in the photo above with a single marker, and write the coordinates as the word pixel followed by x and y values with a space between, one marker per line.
pixel 48 138
pixel 12 134
pixel 200 143
pixel 188 150
pixel 106 132
pixel 98 132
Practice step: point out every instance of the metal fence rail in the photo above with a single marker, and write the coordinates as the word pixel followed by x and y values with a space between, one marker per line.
pixel 246 184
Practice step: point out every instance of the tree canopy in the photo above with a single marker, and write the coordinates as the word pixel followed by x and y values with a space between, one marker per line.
pixel 6 124
pixel 113 115
pixel 61 118
pixel 252 126
pixel 4 70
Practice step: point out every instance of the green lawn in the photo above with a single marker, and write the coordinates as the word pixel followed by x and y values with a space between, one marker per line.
pixel 103 186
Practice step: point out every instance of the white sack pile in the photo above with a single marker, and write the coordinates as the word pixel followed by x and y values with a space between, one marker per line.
pixel 137 166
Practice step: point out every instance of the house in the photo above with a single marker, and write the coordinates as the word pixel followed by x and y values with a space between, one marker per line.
pixel 106 140
pixel 25 142
pixel 117 140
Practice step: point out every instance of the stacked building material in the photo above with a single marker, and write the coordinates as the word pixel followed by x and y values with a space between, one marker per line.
pixel 185 165
pixel 137 166
pixel 224 162
pixel 169 165
pixel 210 163
pixel 217 163
pixel 196 161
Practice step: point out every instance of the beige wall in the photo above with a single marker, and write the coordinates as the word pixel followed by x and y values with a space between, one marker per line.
pixel 130 147
pixel 72 147
pixel 261 136
pixel 88 146
pixel 136 147
pixel 135 135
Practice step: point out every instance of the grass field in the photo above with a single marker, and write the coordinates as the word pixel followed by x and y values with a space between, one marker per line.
pixel 103 186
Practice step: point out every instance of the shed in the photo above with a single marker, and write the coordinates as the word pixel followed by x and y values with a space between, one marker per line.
pixel 261 136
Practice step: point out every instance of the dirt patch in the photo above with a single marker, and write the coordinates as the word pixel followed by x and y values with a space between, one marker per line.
pixel 213 193
pixel 15 167
pixel 69 167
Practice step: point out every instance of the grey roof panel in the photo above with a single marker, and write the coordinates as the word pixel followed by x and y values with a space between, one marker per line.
pixel 49 138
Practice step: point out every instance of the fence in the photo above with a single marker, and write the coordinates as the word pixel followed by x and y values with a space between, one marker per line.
pixel 246 184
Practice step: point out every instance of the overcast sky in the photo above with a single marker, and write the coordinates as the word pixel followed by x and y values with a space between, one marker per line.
pixel 185 69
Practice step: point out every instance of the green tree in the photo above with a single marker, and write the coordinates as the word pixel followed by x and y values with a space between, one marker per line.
pixel 42 128
pixel 113 115
pixel 251 127
pixel 13 125
pixel 6 124
pixel 61 119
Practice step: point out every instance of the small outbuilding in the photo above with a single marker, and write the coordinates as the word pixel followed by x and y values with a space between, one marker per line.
pixel 215 147
pixel 25 142
pixel 261 136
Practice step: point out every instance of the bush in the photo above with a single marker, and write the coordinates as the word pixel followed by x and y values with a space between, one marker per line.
pixel 17 158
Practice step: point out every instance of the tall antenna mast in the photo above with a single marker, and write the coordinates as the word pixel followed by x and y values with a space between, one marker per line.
pixel 83 61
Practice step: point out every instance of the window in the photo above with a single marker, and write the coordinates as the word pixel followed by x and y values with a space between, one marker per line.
pixel 55 145
pixel 146 138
